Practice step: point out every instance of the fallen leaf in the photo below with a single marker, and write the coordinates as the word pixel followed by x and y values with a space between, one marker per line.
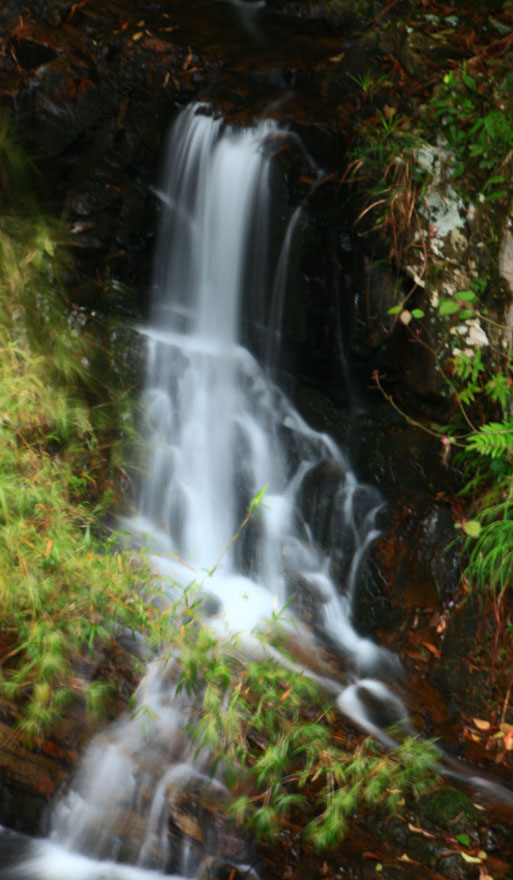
pixel 284 695
pixel 419 830
pixel 405 858
pixel 481 724
pixel 505 727
pixel 182 562
pixel 405 317
pixel 137 36
pixel 474 860
pixel 431 648
pixel 508 741
pixel 156 45
pixel 49 545
pixel 187 824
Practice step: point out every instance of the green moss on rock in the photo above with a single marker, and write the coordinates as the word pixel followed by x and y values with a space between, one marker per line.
pixel 449 808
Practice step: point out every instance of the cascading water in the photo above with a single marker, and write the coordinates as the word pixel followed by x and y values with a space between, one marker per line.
pixel 218 430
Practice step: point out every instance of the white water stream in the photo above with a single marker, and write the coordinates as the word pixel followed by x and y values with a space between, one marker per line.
pixel 218 430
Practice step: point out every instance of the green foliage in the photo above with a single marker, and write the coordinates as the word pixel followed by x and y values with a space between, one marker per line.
pixel 64 592
pixel 490 565
pixel 269 728
pixel 455 147
pixel 476 119
pixel 486 460
pixel 493 440
pixel 481 430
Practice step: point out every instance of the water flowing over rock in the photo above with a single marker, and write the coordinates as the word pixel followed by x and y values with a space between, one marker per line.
pixel 218 431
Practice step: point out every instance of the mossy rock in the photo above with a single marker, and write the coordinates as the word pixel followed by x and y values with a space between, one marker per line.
pixel 349 12
pixel 449 808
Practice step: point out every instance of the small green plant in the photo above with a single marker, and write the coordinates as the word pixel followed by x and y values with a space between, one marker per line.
pixel 477 122
pixel 369 83
pixel 481 435
pixel 269 729
pixel 65 590
pixel 386 169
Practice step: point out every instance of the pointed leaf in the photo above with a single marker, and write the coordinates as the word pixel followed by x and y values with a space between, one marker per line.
pixel 448 307
pixel 481 724
pixel 474 860
pixel 432 649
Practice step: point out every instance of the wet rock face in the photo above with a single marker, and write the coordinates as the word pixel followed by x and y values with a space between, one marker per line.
pixel 437 565
pixel 97 142
pixel 465 689
pixel 30 776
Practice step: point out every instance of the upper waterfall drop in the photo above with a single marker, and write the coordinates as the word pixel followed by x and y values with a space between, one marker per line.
pixel 212 239
pixel 218 430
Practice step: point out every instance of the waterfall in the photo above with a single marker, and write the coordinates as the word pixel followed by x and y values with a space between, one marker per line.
pixel 217 431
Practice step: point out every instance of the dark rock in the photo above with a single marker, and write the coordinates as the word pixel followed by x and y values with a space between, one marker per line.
pixel 221 869
pixel 350 13
pixel 30 775
pixel 455 868
pixel 393 830
pixel 372 609
pixel 423 849
pixel 465 689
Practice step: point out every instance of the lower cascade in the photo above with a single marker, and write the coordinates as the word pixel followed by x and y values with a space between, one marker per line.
pixel 218 430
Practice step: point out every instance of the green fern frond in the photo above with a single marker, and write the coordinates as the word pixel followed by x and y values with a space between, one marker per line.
pixel 494 439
